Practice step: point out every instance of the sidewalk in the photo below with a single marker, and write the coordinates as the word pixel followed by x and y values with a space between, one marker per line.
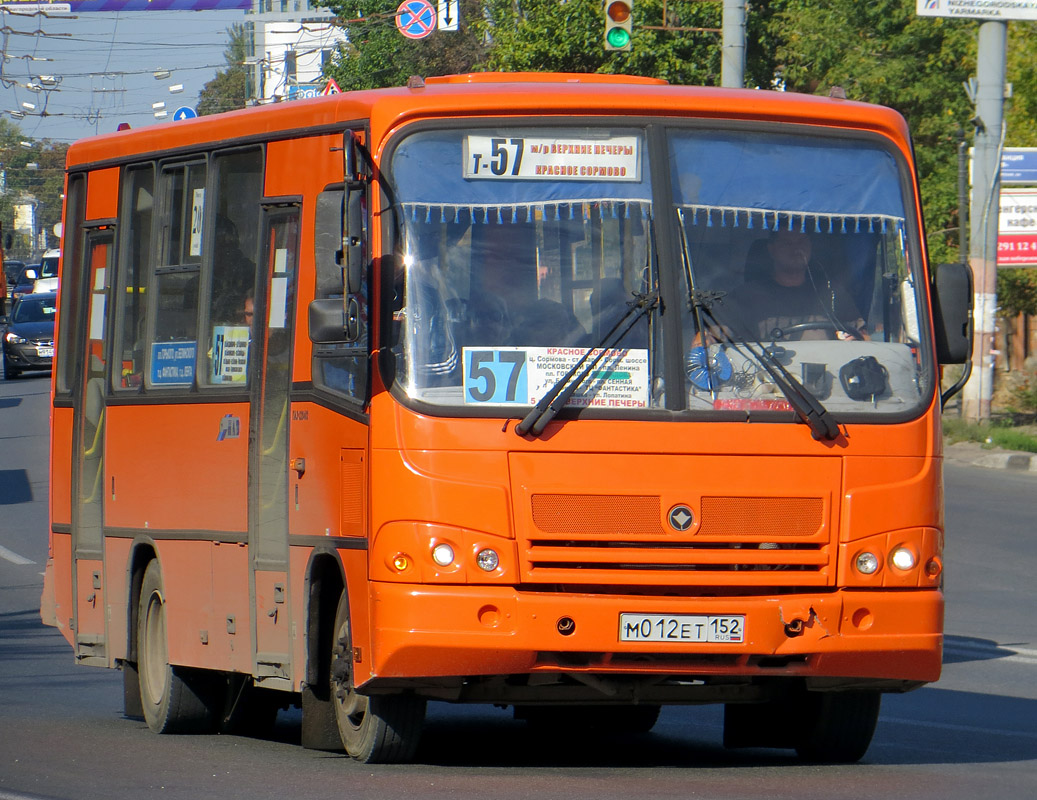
pixel 975 454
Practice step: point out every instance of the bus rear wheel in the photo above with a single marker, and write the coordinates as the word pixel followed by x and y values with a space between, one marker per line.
pixel 376 729
pixel 173 700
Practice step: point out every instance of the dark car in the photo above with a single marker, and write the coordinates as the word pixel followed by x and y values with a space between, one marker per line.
pixel 28 334
pixel 24 282
pixel 12 269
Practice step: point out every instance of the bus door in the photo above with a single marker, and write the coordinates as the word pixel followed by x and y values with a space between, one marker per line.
pixel 268 448
pixel 88 463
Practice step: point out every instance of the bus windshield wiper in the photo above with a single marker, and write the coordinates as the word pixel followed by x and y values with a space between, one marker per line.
pixel 556 398
pixel 809 409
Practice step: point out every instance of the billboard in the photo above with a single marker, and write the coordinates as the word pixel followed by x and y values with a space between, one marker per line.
pixel 82 6
pixel 978 9
pixel 1017 228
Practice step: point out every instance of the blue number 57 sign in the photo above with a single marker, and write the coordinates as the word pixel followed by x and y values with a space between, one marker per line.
pixel 416 19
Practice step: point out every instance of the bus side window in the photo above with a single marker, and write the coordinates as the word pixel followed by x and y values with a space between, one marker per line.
pixel 339 367
pixel 232 254
pixel 131 301
pixel 172 346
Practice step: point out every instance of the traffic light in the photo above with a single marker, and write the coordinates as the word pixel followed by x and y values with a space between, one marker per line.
pixel 618 23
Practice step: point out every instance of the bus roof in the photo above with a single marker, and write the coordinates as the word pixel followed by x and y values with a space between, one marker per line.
pixel 489 94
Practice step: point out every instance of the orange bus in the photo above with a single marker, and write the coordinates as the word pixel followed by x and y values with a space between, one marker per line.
pixel 578 394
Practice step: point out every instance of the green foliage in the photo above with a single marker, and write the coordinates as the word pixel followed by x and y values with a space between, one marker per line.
pixel 1009 438
pixel 1022 74
pixel 546 35
pixel 378 55
pixel 229 89
pixel 1017 291
pixel 1024 395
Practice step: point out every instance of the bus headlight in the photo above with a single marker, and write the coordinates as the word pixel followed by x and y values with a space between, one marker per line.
pixel 443 554
pixel 867 563
pixel 903 558
pixel 487 559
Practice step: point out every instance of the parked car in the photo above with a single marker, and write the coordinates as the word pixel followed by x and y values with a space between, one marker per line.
pixel 28 334
pixel 47 274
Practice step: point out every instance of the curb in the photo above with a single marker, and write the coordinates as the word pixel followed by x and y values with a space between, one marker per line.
pixel 1020 462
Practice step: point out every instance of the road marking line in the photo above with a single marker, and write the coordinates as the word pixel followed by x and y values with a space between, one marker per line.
pixel 1000 652
pixel 13 557
pixel 990 648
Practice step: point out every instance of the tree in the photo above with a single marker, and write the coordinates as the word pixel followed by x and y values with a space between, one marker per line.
pixel 548 35
pixel 377 54
pixel 33 173
pixel 229 89
pixel 1017 288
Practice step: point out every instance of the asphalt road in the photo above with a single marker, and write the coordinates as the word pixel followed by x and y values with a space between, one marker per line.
pixel 973 734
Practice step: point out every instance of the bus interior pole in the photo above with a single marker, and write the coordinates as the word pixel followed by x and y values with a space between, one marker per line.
pixel 732 67
pixel 984 207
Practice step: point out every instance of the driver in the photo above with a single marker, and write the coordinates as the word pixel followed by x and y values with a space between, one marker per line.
pixel 791 296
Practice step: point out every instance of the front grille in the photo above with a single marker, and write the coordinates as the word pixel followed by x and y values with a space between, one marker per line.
pixel 735 541
pixel 586 513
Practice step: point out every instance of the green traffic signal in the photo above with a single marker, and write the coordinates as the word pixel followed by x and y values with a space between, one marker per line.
pixel 618 38
pixel 618 24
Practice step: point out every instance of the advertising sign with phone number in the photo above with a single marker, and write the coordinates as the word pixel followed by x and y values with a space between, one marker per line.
pixel 520 376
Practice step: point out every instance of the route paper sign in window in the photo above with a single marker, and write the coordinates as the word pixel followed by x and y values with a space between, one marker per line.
pixel 616 158
pixel 522 375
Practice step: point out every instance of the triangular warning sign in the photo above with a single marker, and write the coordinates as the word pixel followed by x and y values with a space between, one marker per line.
pixel 330 88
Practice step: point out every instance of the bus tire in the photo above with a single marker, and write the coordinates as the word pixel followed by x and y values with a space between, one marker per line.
pixel 838 726
pixel 376 729
pixel 173 699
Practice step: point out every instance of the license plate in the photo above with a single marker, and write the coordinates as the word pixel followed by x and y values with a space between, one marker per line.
pixel 681 628
pixel 45 352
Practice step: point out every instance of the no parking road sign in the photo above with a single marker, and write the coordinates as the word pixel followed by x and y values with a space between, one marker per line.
pixel 416 19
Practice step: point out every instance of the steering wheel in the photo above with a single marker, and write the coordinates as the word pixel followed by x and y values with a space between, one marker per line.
pixel 815 325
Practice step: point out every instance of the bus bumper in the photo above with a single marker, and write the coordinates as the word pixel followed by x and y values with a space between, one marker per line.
pixel 437 631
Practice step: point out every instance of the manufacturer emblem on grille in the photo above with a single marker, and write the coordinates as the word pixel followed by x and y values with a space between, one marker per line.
pixel 681 518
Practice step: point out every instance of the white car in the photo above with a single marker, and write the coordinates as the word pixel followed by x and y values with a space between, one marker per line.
pixel 47 279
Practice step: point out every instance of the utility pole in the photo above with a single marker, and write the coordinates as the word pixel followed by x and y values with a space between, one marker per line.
pixel 983 212
pixel 732 66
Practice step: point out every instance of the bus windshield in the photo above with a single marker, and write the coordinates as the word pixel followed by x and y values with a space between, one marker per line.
pixel 520 248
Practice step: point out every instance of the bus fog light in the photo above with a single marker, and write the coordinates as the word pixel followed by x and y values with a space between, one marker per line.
pixel 867 563
pixel 443 554
pixel 487 560
pixel 903 558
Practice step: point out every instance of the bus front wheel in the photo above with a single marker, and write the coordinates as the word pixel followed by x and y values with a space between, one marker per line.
pixel 173 700
pixel 376 729
pixel 839 726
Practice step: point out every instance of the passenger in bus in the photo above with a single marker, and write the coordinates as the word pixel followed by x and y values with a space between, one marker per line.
pixel 234 273
pixel 506 306
pixel 789 295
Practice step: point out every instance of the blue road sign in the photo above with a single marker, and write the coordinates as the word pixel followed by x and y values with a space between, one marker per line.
pixel 184 112
pixel 1019 165
pixel 416 19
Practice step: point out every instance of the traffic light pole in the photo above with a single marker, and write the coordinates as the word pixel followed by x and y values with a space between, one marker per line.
pixel 984 208
pixel 732 67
